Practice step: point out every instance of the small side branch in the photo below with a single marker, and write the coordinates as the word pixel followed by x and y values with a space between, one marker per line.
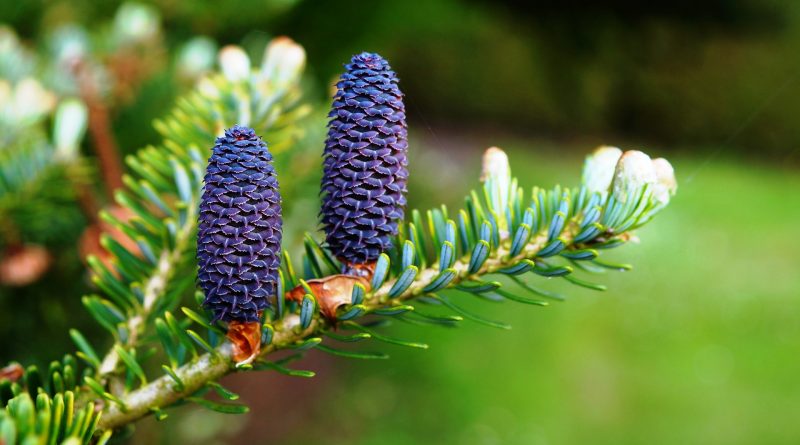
pixel 164 391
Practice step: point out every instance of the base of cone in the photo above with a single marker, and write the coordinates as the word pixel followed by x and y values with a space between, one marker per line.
pixel 330 292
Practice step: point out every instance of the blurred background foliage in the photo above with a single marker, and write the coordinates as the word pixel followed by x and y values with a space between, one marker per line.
pixel 696 345
pixel 679 72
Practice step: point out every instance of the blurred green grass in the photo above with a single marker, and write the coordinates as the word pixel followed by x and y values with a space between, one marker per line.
pixel 697 344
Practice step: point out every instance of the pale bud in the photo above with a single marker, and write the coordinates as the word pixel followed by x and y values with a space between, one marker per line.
pixel 598 169
pixel 234 63
pixel 69 127
pixel 196 57
pixel 31 101
pixel 9 42
pixel 666 185
pixel 634 171
pixel 136 22
pixel 69 44
pixel 495 164
pixel 496 175
pixel 283 60
pixel 16 60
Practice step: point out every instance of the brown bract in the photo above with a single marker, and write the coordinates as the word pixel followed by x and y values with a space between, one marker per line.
pixel 12 372
pixel 365 270
pixel 330 292
pixel 246 341
pixel 22 265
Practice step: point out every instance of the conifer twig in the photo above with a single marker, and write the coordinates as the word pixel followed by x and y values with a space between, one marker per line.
pixel 209 367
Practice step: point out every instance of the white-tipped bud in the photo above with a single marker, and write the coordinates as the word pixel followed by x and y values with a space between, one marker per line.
pixel 284 60
pixel 136 22
pixel 634 171
pixel 69 44
pixel 495 165
pixel 196 57
pixel 9 42
pixel 69 127
pixel 665 185
pixel 234 63
pixel 16 60
pixel 496 176
pixel 31 101
pixel 598 169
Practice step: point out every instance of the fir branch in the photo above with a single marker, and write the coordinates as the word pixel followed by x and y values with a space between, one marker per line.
pixel 211 367
pixel 562 226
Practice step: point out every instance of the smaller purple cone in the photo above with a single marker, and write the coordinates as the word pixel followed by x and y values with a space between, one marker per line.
pixel 239 234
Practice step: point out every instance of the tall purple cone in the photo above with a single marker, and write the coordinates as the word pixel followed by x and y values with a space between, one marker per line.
pixel 365 161
pixel 239 236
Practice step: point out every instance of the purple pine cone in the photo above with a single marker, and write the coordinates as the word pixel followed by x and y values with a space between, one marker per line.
pixel 365 161
pixel 239 236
